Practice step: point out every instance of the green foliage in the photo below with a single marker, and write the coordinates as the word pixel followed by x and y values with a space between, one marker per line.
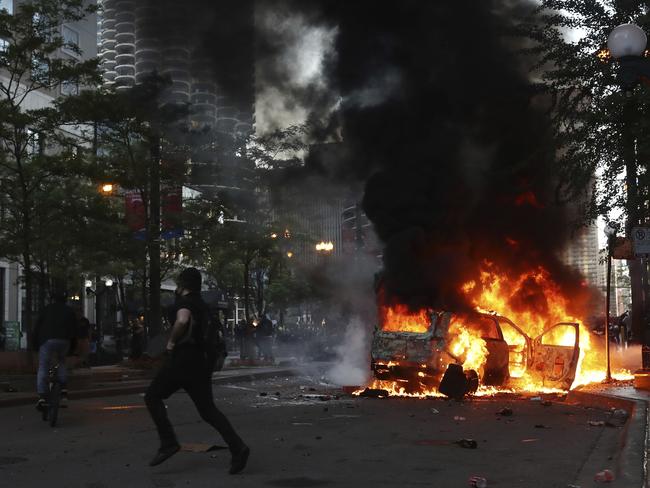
pixel 591 116
pixel 43 200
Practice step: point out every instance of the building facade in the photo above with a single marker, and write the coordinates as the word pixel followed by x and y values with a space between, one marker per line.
pixel 84 34
pixel 137 38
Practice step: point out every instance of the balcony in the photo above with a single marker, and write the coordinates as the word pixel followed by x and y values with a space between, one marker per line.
pixel 125 59
pixel 125 38
pixel 125 48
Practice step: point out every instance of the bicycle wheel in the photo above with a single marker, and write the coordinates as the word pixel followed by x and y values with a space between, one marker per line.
pixel 55 396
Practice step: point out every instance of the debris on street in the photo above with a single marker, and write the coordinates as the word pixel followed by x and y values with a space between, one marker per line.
pixel 467 443
pixel 604 476
pixel 478 482
pixel 505 412
pixel 374 393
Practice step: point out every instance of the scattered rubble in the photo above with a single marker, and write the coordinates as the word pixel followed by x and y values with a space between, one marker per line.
pixel 505 412
pixel 374 393
pixel 478 482
pixel 467 443
pixel 604 476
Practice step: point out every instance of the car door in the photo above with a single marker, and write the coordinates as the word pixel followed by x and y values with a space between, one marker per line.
pixel 495 371
pixel 519 347
pixel 555 355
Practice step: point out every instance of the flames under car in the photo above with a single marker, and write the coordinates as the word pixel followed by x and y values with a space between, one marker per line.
pixel 423 360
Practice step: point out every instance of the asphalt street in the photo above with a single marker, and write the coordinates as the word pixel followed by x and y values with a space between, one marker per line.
pixel 302 435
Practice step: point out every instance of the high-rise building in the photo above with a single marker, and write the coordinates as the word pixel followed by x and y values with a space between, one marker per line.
pixel 582 254
pixel 211 67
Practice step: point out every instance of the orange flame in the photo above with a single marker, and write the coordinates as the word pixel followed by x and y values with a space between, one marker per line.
pixel 534 302
pixel 398 318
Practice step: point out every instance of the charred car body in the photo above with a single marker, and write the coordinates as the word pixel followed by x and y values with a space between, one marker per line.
pixel 424 360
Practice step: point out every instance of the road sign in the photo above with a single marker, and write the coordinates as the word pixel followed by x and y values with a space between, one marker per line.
pixel 622 248
pixel 12 335
pixel 641 238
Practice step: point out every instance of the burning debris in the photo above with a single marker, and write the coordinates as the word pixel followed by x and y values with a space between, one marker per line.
pixel 431 353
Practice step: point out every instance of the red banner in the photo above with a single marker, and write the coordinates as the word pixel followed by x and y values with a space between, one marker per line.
pixel 134 211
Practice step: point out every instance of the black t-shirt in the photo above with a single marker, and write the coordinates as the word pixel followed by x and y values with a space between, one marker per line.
pixel 83 328
pixel 200 313
pixel 57 321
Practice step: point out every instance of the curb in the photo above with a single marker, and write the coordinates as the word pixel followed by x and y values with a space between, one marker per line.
pixel 631 459
pixel 141 386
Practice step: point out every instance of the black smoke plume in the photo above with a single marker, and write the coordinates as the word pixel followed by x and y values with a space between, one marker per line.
pixel 439 113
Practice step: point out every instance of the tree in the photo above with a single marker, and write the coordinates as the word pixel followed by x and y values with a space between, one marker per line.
pixel 37 158
pixel 604 133
pixel 139 144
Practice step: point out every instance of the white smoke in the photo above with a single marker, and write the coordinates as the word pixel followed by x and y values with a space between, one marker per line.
pixel 352 366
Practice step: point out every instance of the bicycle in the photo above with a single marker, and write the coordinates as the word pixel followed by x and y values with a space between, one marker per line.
pixel 51 408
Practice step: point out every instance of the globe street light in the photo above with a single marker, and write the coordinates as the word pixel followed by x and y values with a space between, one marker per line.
pixel 626 44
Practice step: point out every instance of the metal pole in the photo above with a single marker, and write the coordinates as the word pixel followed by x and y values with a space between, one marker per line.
pixel 609 283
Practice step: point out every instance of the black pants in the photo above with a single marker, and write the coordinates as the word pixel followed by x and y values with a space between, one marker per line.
pixel 186 369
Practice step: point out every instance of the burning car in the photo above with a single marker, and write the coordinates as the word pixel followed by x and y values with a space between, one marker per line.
pixel 427 349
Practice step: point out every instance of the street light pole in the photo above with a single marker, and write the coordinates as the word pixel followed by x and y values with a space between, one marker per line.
pixel 610 232
pixel 627 45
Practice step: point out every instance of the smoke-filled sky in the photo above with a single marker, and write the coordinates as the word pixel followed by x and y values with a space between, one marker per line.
pixel 440 121
pixel 437 117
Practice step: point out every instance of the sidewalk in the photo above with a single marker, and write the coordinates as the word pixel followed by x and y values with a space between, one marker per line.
pixel 102 381
pixel 632 458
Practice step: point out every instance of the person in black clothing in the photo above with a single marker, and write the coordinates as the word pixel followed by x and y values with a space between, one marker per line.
pixel 265 337
pixel 54 336
pixel 186 365
pixel 83 338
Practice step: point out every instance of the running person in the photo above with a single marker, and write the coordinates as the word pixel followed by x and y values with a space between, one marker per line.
pixel 186 366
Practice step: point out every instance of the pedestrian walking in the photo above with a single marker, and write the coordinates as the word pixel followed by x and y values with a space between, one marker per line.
pixel 187 365
pixel 54 335
pixel 265 337
pixel 240 335
pixel 83 338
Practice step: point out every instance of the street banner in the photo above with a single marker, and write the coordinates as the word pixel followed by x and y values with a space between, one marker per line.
pixel 171 212
pixel 135 213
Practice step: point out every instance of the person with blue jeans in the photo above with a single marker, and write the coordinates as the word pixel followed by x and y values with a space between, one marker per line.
pixel 54 336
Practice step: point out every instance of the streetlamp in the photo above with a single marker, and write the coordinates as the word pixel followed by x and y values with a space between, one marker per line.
pixel 107 188
pixel 626 44
pixel 610 232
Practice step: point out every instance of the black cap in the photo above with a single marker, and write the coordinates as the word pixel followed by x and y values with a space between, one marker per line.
pixel 190 279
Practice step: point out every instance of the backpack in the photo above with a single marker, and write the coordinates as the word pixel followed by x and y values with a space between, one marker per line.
pixel 208 334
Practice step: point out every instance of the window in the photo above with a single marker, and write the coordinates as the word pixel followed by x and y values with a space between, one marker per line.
pixel 486 326
pixel 4 45
pixel 40 70
pixel 69 88
pixel 71 38
pixel 34 143
pixel 7 5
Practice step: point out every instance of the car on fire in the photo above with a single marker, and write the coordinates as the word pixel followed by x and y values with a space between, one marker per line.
pixel 419 360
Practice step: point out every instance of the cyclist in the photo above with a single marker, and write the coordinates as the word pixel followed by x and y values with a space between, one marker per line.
pixel 54 336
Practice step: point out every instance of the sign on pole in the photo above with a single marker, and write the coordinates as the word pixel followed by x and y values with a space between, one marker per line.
pixel 641 238
pixel 12 335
